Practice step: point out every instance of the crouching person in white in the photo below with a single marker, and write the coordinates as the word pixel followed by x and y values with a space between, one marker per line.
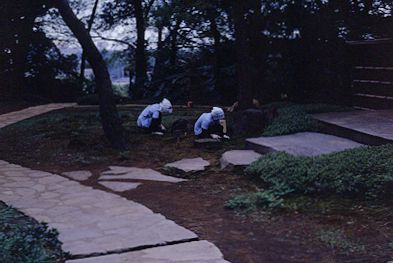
pixel 150 118
pixel 211 125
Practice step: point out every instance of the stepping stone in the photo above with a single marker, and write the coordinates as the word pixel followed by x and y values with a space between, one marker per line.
pixel 195 252
pixel 239 158
pixel 302 144
pixel 189 165
pixel 89 221
pixel 133 173
pixel 120 186
pixel 78 175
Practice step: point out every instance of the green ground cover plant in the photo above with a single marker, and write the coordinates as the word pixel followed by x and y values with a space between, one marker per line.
pixel 294 118
pixel 365 172
pixel 24 240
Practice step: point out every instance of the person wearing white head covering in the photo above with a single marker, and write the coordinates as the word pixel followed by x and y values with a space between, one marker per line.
pixel 150 118
pixel 210 124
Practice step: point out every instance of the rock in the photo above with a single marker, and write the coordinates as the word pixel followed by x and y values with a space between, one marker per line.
pixel 239 158
pixel 189 165
pixel 252 121
pixel 78 175
pixel 133 173
pixel 302 144
pixel 120 186
pixel 197 252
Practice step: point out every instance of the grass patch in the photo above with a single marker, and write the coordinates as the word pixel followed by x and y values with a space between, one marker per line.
pixel 294 118
pixel 365 172
pixel 336 239
pixel 250 202
pixel 22 239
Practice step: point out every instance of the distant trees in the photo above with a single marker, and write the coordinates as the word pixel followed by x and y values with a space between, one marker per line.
pixel 109 116
pixel 216 51
pixel 124 12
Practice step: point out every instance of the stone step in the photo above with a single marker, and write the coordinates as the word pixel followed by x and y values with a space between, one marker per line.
pixel 301 144
pixel 195 252
pixel 366 127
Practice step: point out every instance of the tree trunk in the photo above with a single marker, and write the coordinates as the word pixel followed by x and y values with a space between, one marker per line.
pixel 108 112
pixel 249 72
pixel 173 43
pixel 158 56
pixel 140 55
pixel 89 27
pixel 212 14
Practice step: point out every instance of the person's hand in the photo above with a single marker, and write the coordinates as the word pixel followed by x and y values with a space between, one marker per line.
pixel 163 127
pixel 226 137
pixel 215 136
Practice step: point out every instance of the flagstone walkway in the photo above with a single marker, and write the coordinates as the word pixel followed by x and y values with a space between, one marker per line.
pixel 97 226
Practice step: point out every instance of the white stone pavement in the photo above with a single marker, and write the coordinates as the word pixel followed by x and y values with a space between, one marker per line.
pixel 89 221
pixel 93 222
pixel 13 117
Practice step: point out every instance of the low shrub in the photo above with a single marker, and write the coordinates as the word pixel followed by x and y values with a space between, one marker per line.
pixel 294 118
pixel 290 120
pixel 252 201
pixel 336 239
pixel 364 172
pixel 24 240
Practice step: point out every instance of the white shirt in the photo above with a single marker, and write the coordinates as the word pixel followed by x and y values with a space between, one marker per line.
pixel 204 121
pixel 150 112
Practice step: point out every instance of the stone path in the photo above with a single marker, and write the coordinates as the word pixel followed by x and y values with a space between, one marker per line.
pixel 94 225
pixel 120 186
pixel 182 253
pixel 238 158
pixel 189 165
pixel 378 124
pixel 78 175
pixel 305 144
pixel 13 117
pixel 89 221
pixel 133 173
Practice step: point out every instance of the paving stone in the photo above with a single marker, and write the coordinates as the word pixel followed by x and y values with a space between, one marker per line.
pixel 133 173
pixel 78 175
pixel 13 117
pixel 303 144
pixel 88 220
pixel 190 252
pixel 239 158
pixel 120 186
pixel 189 165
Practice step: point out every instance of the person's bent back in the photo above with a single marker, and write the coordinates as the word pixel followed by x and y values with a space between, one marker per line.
pixel 150 118
pixel 208 124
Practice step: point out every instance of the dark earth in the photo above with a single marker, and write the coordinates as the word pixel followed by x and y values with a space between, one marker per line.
pixel 317 229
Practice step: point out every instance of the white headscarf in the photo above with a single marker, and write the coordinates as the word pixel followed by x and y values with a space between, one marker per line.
pixel 217 113
pixel 166 106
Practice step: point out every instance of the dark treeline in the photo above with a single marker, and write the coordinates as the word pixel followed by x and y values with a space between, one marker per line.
pixel 216 51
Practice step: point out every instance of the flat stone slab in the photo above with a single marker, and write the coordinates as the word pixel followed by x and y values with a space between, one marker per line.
pixel 376 123
pixel 88 220
pixel 119 186
pixel 189 165
pixel 303 144
pixel 78 175
pixel 191 252
pixel 239 158
pixel 133 173
pixel 16 116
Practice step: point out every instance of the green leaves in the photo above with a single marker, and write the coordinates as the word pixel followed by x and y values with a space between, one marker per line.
pixel 24 240
pixel 364 172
